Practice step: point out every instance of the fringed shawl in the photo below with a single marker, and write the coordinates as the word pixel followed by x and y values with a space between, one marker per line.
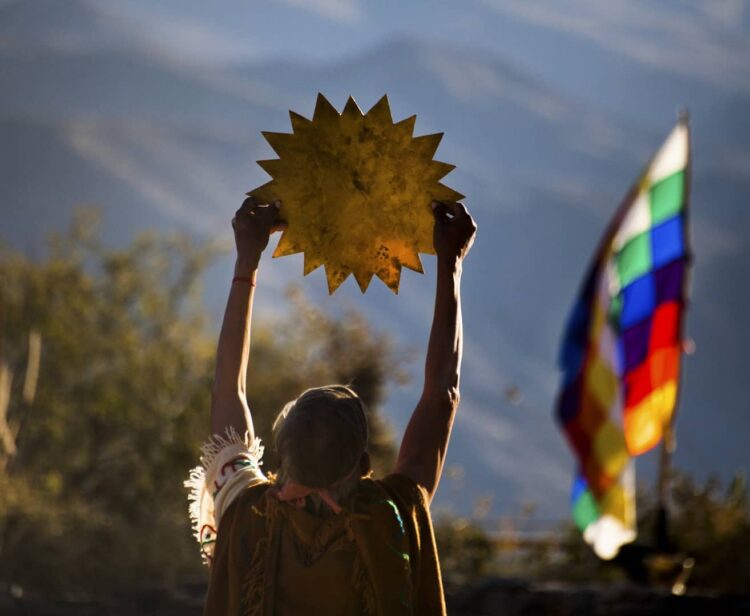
pixel 377 557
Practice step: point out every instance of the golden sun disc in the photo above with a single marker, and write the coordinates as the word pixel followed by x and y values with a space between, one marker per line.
pixel 356 191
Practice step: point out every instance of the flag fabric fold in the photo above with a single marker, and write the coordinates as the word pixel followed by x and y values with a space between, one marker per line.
pixel 621 350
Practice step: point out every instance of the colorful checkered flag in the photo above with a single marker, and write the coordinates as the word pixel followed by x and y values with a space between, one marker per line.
pixel 622 347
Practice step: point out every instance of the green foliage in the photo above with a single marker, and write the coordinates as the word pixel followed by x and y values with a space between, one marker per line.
pixel 711 523
pixel 465 549
pixel 93 499
pixel 708 522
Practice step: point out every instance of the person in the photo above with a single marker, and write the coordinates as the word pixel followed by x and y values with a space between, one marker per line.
pixel 323 536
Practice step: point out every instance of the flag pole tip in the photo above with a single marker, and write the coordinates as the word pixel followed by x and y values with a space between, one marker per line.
pixel 683 115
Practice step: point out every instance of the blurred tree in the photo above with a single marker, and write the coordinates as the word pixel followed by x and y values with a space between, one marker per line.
pixel 711 523
pixel 93 499
pixel 465 549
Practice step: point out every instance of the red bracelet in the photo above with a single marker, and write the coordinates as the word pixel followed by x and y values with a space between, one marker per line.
pixel 243 279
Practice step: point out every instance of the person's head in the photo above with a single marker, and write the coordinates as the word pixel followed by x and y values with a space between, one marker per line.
pixel 321 439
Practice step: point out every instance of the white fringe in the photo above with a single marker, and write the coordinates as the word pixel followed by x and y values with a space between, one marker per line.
pixel 195 485
pixel 198 490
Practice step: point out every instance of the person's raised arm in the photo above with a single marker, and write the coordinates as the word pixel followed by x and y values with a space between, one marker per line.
pixel 253 225
pixel 425 441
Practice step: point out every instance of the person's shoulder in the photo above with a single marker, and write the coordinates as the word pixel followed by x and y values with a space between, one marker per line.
pixel 248 499
pixel 405 490
pixel 251 495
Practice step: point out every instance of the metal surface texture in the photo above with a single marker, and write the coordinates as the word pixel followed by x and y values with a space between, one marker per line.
pixel 356 191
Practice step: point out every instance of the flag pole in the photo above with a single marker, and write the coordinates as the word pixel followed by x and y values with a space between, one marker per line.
pixel 665 465
pixel 669 443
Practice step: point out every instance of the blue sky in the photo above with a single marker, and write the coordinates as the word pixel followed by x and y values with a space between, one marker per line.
pixel 702 38
pixel 600 53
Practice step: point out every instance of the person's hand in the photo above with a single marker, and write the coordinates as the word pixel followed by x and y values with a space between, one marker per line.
pixel 253 224
pixel 454 231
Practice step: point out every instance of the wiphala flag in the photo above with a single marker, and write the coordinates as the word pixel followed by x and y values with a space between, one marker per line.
pixel 622 347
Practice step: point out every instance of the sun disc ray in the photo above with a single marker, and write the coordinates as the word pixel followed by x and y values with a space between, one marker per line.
pixel 265 193
pixel 381 111
pixel 324 110
pixel 427 145
pixel 351 108
pixel 278 141
pixel 299 122
pixel 312 262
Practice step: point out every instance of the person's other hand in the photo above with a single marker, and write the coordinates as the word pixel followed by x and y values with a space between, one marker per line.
pixel 454 231
pixel 253 224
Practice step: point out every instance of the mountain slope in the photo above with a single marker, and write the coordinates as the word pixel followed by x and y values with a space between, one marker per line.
pixel 165 145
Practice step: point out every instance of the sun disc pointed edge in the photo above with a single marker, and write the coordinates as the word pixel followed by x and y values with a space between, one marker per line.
pixel 299 122
pixel 311 263
pixel 324 109
pixel 427 144
pixel 407 125
pixel 440 169
pixel 391 278
pixel 278 141
pixel 413 262
pixel 381 110
pixel 286 246
pixel 334 277
pixel 446 193
pixel 265 193
pixel 363 280
pixel 351 109
pixel 271 166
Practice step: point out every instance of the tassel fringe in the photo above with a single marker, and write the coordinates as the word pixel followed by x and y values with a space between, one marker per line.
pixel 199 510
pixel 217 442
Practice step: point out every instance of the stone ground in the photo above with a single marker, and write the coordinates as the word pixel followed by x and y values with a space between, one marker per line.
pixel 492 597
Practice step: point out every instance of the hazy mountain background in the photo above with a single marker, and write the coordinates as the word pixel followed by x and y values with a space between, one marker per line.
pixel 153 111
